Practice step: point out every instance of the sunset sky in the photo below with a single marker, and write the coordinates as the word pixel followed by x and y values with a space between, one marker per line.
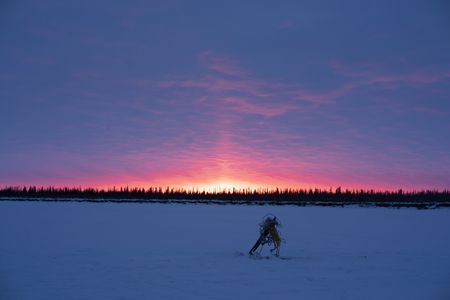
pixel 225 93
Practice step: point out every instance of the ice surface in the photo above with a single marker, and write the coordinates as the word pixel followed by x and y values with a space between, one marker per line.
pixel 158 251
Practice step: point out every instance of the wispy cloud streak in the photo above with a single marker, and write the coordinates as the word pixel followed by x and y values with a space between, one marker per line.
pixel 226 81
pixel 371 73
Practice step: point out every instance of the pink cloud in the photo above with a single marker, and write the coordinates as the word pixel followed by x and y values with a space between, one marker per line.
pixel 249 86
pixel 324 97
pixel 209 83
pixel 255 96
pixel 221 64
pixel 245 106
pixel 371 73
pixel 225 79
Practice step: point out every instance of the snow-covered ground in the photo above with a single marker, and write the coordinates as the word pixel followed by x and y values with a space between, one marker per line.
pixel 158 251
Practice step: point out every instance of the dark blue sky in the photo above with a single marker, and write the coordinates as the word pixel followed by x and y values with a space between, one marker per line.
pixel 203 93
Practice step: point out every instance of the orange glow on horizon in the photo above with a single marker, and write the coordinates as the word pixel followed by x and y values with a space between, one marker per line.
pixel 224 184
pixel 216 184
pixel 228 184
pixel 220 184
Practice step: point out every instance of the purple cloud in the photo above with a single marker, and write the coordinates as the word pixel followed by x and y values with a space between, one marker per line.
pixel 222 64
pixel 371 73
pixel 245 106
pixel 226 81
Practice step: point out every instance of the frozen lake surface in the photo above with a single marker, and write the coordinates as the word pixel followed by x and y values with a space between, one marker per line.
pixel 160 251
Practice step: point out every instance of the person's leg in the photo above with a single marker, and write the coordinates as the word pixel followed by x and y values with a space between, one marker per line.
pixel 258 242
pixel 277 245
pixel 276 249
pixel 276 240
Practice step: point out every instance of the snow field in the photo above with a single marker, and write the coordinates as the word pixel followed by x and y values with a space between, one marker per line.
pixel 159 251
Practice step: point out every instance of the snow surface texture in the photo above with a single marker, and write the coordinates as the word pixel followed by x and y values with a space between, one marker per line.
pixel 158 251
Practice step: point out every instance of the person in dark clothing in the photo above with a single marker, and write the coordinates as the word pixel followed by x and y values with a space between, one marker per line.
pixel 268 234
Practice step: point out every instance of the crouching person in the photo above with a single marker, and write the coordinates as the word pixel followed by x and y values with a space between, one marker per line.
pixel 268 234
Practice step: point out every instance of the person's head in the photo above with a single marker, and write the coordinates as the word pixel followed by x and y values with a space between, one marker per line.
pixel 271 220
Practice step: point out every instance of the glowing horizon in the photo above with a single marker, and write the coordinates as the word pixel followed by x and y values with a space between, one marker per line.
pixel 201 102
pixel 229 184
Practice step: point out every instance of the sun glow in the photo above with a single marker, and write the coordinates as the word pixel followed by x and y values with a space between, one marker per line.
pixel 206 182
pixel 223 184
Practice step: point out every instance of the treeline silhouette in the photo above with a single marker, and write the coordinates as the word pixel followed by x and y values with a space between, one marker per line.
pixel 251 196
